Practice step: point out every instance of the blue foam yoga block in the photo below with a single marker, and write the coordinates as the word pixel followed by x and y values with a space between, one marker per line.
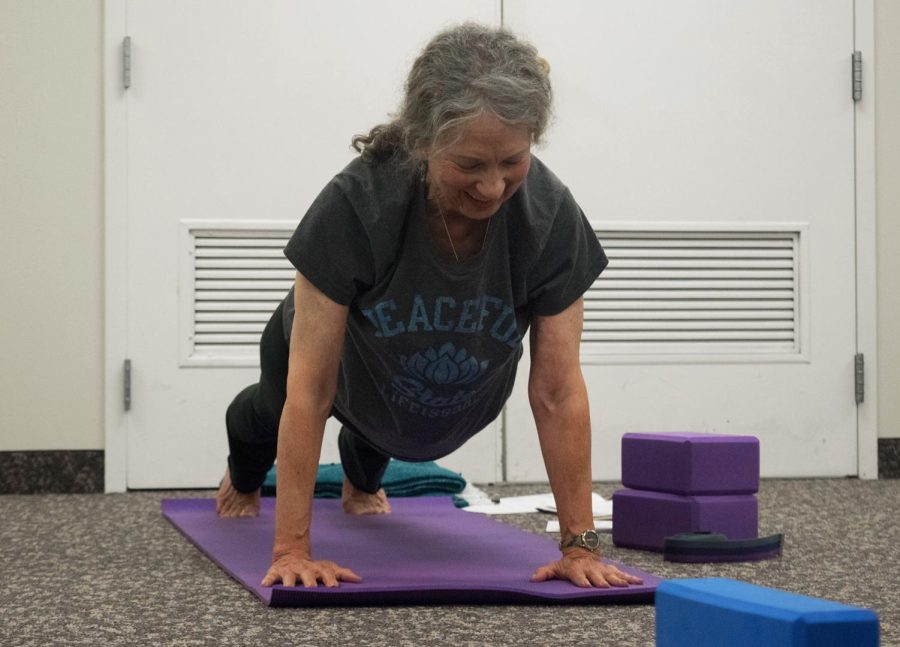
pixel 715 612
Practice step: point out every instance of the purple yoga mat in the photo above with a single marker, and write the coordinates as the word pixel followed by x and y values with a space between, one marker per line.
pixel 425 552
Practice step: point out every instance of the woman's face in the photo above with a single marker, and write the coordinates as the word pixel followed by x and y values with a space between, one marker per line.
pixel 480 169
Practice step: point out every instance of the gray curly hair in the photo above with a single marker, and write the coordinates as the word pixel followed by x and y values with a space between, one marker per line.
pixel 462 73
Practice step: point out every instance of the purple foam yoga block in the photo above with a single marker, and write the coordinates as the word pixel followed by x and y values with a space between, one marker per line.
pixel 643 519
pixel 685 463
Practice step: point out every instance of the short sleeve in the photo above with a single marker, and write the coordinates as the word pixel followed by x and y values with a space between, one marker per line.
pixel 330 247
pixel 571 259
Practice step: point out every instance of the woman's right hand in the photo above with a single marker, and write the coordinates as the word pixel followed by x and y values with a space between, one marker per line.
pixel 291 567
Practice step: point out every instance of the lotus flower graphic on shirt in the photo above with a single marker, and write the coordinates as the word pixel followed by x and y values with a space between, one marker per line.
pixel 444 366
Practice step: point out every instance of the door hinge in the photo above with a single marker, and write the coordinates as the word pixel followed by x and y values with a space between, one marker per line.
pixel 860 371
pixel 126 62
pixel 857 76
pixel 127 385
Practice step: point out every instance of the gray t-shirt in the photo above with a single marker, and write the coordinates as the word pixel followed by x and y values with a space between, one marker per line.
pixel 432 344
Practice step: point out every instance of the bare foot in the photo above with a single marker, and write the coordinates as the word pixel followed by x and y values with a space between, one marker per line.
pixel 359 502
pixel 231 503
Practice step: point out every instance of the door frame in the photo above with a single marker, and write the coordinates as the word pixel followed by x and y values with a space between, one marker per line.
pixel 115 463
pixel 116 243
pixel 866 249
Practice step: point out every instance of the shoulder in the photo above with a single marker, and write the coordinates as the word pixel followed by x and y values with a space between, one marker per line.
pixel 539 205
pixel 542 189
pixel 554 244
pixel 362 211
pixel 379 191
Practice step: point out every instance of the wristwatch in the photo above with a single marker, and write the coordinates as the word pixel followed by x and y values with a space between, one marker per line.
pixel 589 539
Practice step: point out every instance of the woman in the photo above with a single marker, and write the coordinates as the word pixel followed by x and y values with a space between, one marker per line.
pixel 421 267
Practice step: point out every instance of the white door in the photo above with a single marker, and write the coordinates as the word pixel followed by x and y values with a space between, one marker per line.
pixel 238 113
pixel 711 144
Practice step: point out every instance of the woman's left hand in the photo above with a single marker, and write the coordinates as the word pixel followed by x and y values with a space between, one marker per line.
pixel 584 568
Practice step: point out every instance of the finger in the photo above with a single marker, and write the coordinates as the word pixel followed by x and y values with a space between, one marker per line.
pixel 622 576
pixel 543 574
pixel 346 575
pixel 614 579
pixel 598 580
pixel 271 578
pixel 577 575
pixel 329 579
pixel 580 579
pixel 310 580
pixel 289 579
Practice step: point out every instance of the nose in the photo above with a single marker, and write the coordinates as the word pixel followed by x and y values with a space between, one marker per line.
pixel 491 186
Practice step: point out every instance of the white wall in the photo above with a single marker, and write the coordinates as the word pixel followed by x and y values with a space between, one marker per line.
pixel 51 222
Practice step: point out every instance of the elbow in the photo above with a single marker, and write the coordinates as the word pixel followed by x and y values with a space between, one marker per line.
pixel 544 399
pixel 313 401
pixel 555 397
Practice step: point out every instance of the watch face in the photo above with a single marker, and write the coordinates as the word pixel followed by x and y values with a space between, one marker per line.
pixel 591 539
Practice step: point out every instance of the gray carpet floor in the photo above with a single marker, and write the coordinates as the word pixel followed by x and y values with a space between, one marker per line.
pixel 109 570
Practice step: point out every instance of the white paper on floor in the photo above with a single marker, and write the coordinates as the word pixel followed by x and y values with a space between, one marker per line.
pixel 537 503
pixel 600 525
pixel 602 507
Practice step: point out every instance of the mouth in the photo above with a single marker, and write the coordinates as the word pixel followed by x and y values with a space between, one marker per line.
pixel 478 202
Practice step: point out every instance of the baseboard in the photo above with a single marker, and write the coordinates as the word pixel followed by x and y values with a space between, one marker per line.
pixel 889 458
pixel 81 471
pixel 51 472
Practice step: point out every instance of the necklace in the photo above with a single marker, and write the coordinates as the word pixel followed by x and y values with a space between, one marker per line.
pixel 450 238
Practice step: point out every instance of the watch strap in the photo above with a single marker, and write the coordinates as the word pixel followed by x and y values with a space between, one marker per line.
pixel 589 540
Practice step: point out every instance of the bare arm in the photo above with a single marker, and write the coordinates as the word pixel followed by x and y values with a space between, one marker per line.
pixel 559 403
pixel 317 338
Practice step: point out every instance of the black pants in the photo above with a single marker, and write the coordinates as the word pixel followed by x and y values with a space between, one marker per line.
pixel 253 416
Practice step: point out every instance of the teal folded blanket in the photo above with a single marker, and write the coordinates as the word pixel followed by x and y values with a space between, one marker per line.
pixel 400 479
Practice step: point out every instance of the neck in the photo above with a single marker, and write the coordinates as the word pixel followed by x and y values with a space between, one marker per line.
pixel 457 236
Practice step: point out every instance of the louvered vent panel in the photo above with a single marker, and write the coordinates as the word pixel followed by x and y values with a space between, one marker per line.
pixel 705 292
pixel 240 277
